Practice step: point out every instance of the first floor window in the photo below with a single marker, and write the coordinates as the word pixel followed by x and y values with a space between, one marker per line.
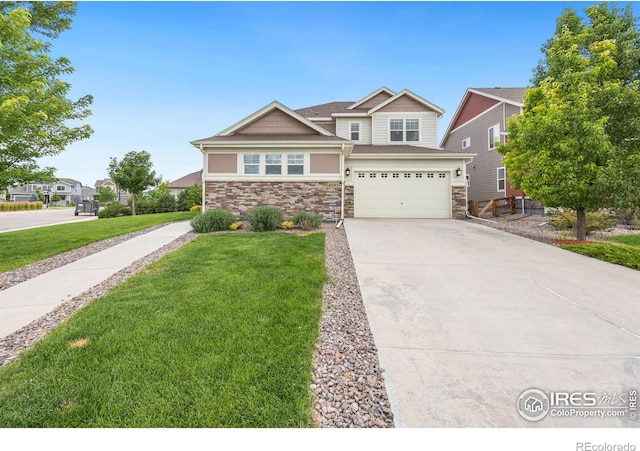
pixel 252 164
pixel 355 131
pixel 273 164
pixel 295 164
pixel 501 179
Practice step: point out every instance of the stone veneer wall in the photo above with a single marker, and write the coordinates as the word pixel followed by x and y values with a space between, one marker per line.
pixel 240 197
pixel 458 202
pixel 348 201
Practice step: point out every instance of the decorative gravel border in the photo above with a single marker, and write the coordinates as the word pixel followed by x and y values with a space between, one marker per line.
pixel 346 378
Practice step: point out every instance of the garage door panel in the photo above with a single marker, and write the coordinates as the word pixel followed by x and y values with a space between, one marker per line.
pixel 402 195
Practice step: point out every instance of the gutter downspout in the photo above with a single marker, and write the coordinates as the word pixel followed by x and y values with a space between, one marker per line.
pixel 204 165
pixel 341 188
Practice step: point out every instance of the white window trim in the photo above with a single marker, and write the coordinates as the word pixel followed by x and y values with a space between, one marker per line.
pixel 504 179
pixel 244 165
pixel 466 141
pixel 359 124
pixel 496 136
pixel 272 164
pixel 287 155
pixel 404 129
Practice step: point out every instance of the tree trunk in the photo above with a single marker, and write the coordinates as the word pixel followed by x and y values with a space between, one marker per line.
pixel 133 205
pixel 581 224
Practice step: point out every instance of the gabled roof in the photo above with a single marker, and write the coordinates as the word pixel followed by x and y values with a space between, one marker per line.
pixel 512 96
pixel 101 182
pixel 71 182
pixel 406 92
pixel 195 178
pixel 266 110
pixel 370 96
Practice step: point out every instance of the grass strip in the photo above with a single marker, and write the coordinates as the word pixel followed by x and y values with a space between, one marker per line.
pixel 629 240
pixel 219 333
pixel 24 247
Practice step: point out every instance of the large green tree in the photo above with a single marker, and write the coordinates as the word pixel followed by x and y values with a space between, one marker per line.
pixel 35 113
pixel 133 173
pixel 577 143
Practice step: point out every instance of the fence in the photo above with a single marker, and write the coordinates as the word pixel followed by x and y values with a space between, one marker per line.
pixel 495 207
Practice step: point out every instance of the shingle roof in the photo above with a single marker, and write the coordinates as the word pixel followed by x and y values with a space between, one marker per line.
pixel 69 181
pixel 195 178
pixel 513 94
pixel 400 149
pixel 327 109
pixel 268 137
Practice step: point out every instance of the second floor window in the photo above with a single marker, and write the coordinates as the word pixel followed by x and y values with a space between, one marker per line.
pixel 355 131
pixel 404 130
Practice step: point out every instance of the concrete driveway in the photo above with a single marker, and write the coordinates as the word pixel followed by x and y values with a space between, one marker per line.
pixel 466 318
pixel 17 220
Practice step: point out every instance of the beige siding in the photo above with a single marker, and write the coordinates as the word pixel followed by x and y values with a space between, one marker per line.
pixel 428 128
pixel 222 163
pixel 375 100
pixel 325 163
pixel 276 122
pixel 404 104
pixel 343 129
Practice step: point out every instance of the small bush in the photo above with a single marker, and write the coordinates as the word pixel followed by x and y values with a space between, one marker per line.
pixel 236 225
pixel 307 220
pixel 213 221
pixel 286 225
pixel 195 208
pixel 265 218
pixel 566 220
pixel 114 209
pixel 628 217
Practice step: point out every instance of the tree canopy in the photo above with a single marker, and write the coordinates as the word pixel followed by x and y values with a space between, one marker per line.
pixel 34 109
pixel 577 143
pixel 133 173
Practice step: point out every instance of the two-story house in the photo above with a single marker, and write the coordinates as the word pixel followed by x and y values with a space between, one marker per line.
pixel 479 123
pixel 375 157
pixel 122 196
pixel 67 190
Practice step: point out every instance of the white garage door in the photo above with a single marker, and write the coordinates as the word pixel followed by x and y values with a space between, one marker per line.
pixel 402 195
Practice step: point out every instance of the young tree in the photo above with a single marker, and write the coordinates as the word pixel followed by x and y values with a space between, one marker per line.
pixel 577 143
pixel 106 194
pixel 133 174
pixel 34 108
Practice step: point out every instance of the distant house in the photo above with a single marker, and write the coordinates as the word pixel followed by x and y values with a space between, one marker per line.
pixel 68 190
pixel 181 184
pixel 477 125
pixel 88 193
pixel 122 196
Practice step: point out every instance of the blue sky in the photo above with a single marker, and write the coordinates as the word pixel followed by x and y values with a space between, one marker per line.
pixel 166 73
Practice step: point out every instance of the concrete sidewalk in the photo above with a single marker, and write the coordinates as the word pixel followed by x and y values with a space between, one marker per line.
pixel 28 301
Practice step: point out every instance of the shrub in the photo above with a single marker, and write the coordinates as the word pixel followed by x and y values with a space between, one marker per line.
pixel 213 221
pixel 113 210
pixel 195 208
pixel 307 220
pixel 566 220
pixel 265 218
pixel 236 225
pixel 628 217
pixel 286 225
pixel 165 203
pixel 189 198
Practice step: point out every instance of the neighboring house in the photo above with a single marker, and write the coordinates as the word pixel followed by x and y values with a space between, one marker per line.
pixel 68 190
pixel 122 196
pixel 477 125
pixel 376 157
pixel 181 184
pixel 88 193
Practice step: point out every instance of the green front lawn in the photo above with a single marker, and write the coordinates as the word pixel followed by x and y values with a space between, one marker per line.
pixel 631 240
pixel 620 254
pixel 219 333
pixel 24 247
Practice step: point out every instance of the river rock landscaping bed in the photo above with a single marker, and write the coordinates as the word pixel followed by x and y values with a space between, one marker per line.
pixel 347 380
